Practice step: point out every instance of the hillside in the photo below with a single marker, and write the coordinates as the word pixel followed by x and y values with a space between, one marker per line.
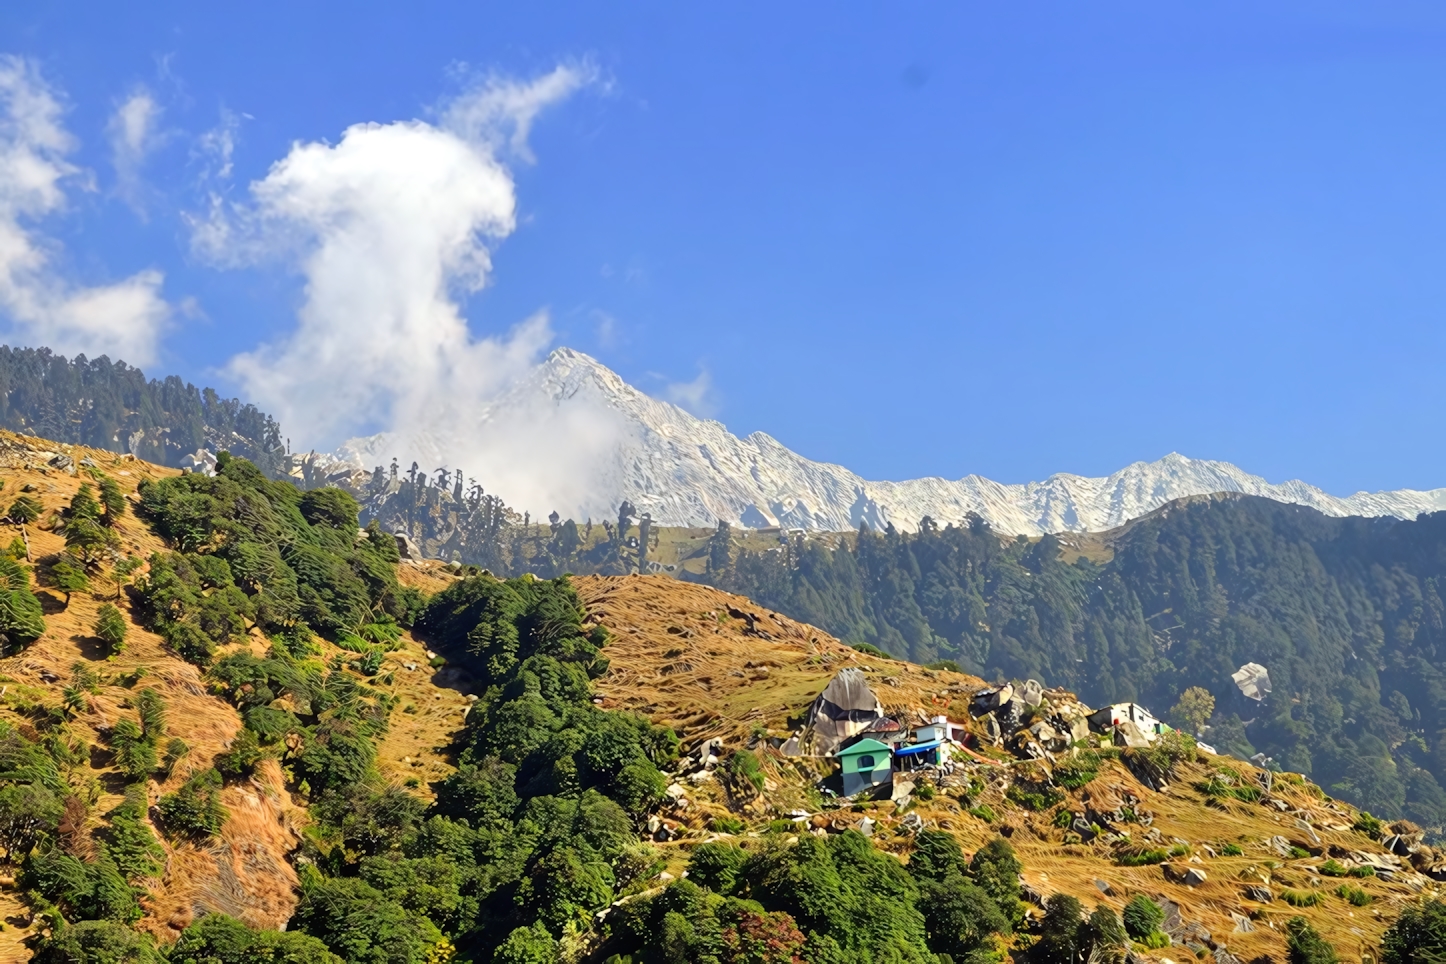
pixel 686 471
pixel 679 657
pixel 393 788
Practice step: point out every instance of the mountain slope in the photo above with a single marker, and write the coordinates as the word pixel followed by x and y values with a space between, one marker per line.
pixel 687 471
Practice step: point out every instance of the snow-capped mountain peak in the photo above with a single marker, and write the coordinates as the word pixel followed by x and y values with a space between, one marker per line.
pixel 688 471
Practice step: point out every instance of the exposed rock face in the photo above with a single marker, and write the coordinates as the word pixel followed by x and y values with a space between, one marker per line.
pixel 687 471
pixel 846 707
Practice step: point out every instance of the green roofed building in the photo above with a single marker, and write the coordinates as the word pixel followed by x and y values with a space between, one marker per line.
pixel 866 764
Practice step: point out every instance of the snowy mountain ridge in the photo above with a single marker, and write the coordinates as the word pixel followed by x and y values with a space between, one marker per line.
pixel 688 471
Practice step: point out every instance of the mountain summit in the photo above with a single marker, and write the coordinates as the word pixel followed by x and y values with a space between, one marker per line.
pixel 688 471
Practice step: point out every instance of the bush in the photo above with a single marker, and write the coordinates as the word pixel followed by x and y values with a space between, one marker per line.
pixel 110 628
pixel 983 812
pixel 22 620
pixel 1418 935
pixel 729 825
pixel 218 939
pixel 1365 870
pixel 744 767
pixel 1305 945
pixel 1333 868
pixel 1142 917
pixel 1368 825
pixel 1142 858
pixel 195 809
pixel 97 942
pixel 1232 850
pixel 1296 898
pixel 1299 853
pixel 1353 894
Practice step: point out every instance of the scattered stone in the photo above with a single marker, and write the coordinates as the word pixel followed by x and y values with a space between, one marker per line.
pixel 1194 876
pixel 655 824
pixel 1303 825
pixel 1243 924
pixel 866 826
pixel 1104 887
pixel 1032 693
pixel 1279 845
pixel 676 791
pixel 901 790
pixel 912 823
pixel 1260 895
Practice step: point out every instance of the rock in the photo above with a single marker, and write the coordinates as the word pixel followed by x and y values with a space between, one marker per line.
pixel 1031 693
pixel 1279 845
pixel 866 827
pixel 702 776
pixel 665 876
pixel 1129 735
pixel 988 700
pixel 1104 887
pixel 1194 876
pixel 676 791
pixel 912 823
pixel 992 726
pixel 654 824
pixel 1243 924
pixel 1303 825
pixel 1278 804
pixel 1259 894
pixel 1397 845
pixel 901 790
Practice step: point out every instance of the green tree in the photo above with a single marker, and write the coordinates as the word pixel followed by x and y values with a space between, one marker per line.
pixel 1304 945
pixel 135 755
pixel 720 548
pixel 1418 936
pixel 1062 933
pixel 527 945
pixel 1194 709
pixel 113 498
pixel 21 618
pixel 195 809
pixel 97 942
pixel 110 628
pixel 25 510
pixel 69 576
pixel 995 870
pixel 218 939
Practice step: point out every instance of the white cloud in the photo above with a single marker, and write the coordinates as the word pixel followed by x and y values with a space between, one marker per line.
pixel 388 227
pixel 696 396
pixel 216 147
pixel 134 133
pixel 497 110
pixel 123 320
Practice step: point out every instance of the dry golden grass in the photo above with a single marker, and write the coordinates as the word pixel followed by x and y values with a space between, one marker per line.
pixel 677 657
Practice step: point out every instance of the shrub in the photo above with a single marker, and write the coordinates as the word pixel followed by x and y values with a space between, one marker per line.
pixel 1305 945
pixel 983 812
pixel 1353 894
pixel 1039 798
pixel 195 809
pixel 1333 868
pixel 110 628
pixel 1419 934
pixel 1299 853
pixel 744 767
pixel 1365 870
pixel 1368 825
pixel 731 825
pixel 1142 917
pixel 1232 850
pixel 1142 858
pixel 1296 898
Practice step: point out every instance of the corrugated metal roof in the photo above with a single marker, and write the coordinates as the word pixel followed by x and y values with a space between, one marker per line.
pixel 917 748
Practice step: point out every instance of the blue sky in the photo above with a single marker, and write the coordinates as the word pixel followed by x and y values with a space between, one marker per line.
pixel 914 239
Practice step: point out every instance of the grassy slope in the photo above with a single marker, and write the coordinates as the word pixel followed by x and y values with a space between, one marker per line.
pixel 675 660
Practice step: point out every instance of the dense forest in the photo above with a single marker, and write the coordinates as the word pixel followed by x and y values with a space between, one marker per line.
pixel 1346 614
pixel 110 405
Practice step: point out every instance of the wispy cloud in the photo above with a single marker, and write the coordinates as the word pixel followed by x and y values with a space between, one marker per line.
pixel 134 132
pixel 388 226
pixel 697 396
pixel 124 319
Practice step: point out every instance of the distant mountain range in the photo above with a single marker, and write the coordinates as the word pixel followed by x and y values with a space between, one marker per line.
pixel 688 471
